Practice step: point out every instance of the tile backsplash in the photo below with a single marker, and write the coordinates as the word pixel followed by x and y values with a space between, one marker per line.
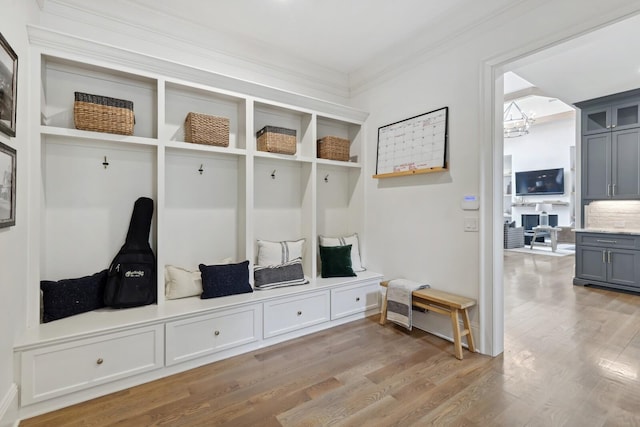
pixel 613 214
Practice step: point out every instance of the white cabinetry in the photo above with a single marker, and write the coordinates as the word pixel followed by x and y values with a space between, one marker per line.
pixel 211 203
pixel 348 300
pixel 55 370
pixel 290 314
pixel 202 335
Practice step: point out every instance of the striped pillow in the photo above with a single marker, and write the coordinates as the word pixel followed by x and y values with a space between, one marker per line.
pixel 276 253
pixel 276 276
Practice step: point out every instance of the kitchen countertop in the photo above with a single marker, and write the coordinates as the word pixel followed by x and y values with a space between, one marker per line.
pixel 607 231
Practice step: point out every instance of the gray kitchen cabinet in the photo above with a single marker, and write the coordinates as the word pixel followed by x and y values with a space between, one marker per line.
pixel 611 165
pixel 606 259
pixel 596 166
pixel 610 114
pixel 611 147
pixel 625 164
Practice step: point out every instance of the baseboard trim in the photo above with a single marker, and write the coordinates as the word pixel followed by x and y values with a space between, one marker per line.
pixel 6 403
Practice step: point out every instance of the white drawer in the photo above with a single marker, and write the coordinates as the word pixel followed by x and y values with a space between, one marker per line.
pixel 289 314
pixel 56 370
pixel 195 337
pixel 354 299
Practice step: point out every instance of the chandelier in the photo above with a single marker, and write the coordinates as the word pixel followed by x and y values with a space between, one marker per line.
pixel 516 123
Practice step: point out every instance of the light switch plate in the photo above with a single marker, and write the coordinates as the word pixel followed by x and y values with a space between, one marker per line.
pixel 471 224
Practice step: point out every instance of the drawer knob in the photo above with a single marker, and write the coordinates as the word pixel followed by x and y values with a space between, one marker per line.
pixel 357 299
pixel 299 313
pixel 99 361
pixel 216 333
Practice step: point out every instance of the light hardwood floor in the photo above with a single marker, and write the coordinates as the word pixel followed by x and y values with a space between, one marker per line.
pixel 572 358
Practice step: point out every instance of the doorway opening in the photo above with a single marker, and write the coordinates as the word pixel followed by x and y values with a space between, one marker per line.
pixel 553 69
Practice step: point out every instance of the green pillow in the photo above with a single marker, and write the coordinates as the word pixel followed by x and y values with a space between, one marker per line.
pixel 336 261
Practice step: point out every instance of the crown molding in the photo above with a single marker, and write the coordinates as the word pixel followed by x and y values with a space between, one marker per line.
pixel 429 44
pixel 81 49
pixel 162 37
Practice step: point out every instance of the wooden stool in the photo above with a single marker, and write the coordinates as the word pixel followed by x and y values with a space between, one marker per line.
pixel 443 303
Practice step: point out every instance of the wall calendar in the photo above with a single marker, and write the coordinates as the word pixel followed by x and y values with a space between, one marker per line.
pixel 413 146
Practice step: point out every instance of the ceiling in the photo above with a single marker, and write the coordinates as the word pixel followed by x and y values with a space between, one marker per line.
pixel 532 100
pixel 348 36
pixel 600 63
pixel 342 35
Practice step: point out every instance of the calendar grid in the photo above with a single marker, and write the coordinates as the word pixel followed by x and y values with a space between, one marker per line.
pixel 413 145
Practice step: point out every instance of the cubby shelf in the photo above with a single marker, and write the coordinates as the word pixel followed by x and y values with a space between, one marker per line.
pixel 96 136
pixel 187 146
pixel 338 163
pixel 211 202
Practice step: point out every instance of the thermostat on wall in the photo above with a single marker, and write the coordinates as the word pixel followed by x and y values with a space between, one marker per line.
pixel 470 202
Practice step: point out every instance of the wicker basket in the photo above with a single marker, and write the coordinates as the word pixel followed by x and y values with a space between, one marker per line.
pixel 333 148
pixel 103 114
pixel 205 129
pixel 277 140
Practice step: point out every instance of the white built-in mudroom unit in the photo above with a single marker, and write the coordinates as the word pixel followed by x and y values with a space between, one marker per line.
pixel 212 203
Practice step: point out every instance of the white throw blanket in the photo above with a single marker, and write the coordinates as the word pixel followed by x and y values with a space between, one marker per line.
pixel 399 307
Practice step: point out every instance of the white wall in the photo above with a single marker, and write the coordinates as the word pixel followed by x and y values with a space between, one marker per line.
pixel 13 240
pixel 545 147
pixel 415 224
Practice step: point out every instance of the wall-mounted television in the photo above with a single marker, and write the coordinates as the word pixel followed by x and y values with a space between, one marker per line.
pixel 546 181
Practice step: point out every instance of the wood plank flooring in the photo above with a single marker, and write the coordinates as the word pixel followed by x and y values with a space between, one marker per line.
pixel 572 358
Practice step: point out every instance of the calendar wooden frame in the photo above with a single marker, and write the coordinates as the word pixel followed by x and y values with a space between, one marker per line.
pixel 439 145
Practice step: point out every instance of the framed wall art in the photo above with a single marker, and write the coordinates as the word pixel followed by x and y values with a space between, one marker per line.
pixel 8 87
pixel 7 186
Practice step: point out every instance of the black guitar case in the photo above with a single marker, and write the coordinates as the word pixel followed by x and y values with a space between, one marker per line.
pixel 132 275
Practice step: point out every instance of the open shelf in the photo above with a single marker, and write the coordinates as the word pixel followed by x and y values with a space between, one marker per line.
pixel 203 219
pixel 62 77
pixel 72 134
pixel 182 99
pixel 86 206
pixel 211 202
pixel 279 116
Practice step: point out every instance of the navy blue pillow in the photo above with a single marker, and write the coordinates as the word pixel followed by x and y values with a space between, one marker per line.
pixel 336 261
pixel 67 297
pixel 225 279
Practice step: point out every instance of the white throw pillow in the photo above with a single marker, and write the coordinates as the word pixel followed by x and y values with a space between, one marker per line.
pixel 352 240
pixel 276 253
pixel 181 283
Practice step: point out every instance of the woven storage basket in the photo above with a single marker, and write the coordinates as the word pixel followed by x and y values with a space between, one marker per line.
pixel 333 148
pixel 205 129
pixel 277 140
pixel 103 114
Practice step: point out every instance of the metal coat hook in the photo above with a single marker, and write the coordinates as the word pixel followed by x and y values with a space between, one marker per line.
pixel 201 169
pixel 326 178
pixel 105 163
pixel 273 174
